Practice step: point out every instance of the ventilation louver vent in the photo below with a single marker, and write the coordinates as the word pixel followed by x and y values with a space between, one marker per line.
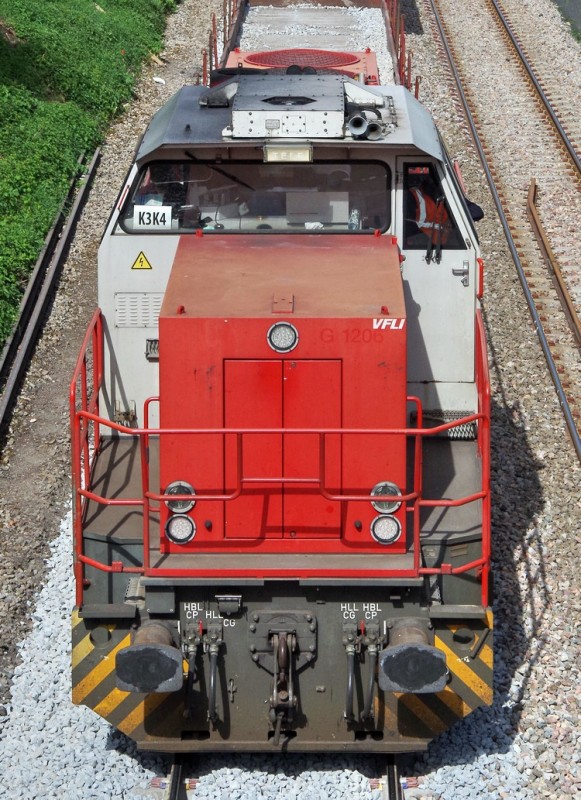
pixel 137 309
pixel 291 106
pixel 319 59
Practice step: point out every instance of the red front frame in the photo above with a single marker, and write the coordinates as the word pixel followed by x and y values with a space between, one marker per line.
pixel 286 400
pixel 86 424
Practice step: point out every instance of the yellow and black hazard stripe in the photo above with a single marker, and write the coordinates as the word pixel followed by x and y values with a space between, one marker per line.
pixel 471 683
pixel 139 716
pixel 408 721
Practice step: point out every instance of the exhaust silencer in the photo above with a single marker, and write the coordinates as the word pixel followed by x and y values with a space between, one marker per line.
pixel 357 124
pixel 362 128
pixel 410 664
pixel 152 663
pixel 374 131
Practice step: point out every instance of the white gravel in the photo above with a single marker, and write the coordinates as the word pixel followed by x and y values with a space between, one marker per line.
pixel 528 744
pixel 51 749
pixel 308 26
pixel 56 751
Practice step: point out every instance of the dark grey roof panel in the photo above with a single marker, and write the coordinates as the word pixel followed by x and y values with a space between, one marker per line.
pixel 182 122
pixel 169 126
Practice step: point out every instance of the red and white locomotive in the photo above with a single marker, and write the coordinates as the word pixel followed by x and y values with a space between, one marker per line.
pixel 280 425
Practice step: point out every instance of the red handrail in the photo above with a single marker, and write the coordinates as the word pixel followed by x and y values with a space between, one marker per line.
pixel 483 385
pixel 84 414
pixel 395 27
pixel 92 346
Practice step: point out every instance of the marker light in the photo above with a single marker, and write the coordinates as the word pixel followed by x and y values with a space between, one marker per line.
pixel 180 506
pixel 385 529
pixel 288 154
pixel 180 529
pixel 386 488
pixel 283 337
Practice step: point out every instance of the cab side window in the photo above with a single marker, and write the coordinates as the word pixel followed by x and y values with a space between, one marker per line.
pixel 428 221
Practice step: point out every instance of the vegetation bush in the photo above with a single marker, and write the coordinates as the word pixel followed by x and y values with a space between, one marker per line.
pixel 571 11
pixel 66 68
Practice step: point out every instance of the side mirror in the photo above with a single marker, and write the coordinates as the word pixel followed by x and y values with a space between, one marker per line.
pixel 475 211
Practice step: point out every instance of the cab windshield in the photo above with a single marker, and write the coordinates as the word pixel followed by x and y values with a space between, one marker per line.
pixel 259 198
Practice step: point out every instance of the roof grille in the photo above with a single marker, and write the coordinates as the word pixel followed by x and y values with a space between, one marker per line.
pixel 302 57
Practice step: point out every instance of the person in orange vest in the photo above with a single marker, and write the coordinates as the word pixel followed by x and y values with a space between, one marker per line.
pixel 431 217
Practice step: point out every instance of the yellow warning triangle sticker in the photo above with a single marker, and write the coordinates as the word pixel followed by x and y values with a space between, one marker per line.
pixel 141 262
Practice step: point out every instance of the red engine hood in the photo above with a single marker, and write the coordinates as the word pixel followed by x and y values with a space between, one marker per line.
pixel 255 276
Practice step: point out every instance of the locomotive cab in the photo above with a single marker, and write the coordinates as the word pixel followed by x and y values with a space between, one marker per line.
pixel 283 537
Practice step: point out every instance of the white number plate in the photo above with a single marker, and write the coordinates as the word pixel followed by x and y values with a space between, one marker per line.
pixel 152 217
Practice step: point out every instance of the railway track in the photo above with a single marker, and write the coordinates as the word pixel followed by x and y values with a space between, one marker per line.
pixel 179 785
pixel 176 785
pixel 528 69
pixel 42 284
pixel 534 235
pixel 563 116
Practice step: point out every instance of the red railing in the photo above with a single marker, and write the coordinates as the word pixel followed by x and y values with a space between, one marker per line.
pixel 395 24
pixel 86 424
pixel 483 385
pixel 212 56
pixel 84 397
pixel 232 15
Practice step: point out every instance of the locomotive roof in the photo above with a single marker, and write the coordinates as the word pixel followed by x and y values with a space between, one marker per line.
pixel 182 122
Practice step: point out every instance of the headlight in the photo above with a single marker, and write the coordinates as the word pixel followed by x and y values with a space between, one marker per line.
pixel 180 529
pixel 385 529
pixel 282 337
pixel 180 506
pixel 386 488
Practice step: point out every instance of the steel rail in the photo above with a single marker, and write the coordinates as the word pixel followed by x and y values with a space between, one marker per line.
pixel 532 213
pixel 552 262
pixel 176 789
pixel 20 345
pixel 392 788
pixel 564 403
pixel 574 156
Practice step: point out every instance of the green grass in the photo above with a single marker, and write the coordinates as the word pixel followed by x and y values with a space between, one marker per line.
pixel 571 12
pixel 66 68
